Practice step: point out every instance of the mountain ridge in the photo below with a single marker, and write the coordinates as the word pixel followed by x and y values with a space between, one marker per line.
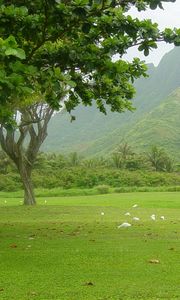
pixel 95 134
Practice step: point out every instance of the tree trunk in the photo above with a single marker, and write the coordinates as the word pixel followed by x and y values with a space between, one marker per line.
pixel 29 198
pixel 23 149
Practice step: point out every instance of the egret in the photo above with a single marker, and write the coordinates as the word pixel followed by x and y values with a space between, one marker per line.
pixel 127 214
pixel 153 217
pixel 102 213
pixel 135 205
pixel 124 225
pixel 162 218
pixel 136 219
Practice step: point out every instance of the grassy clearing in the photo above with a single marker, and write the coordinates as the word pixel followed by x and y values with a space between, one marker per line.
pixel 66 250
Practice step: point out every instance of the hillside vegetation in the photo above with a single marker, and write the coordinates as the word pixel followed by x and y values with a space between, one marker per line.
pixel 155 121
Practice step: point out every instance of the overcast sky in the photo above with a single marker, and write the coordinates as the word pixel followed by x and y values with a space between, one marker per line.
pixel 169 17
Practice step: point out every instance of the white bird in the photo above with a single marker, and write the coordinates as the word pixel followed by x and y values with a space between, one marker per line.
pixel 136 219
pixel 153 217
pixel 45 201
pixel 5 201
pixel 127 214
pixel 102 213
pixel 124 225
pixel 162 218
pixel 135 205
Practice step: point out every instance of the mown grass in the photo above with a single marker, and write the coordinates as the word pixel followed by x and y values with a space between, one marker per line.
pixel 65 249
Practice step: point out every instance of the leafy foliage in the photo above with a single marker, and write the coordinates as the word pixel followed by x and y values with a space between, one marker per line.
pixel 52 47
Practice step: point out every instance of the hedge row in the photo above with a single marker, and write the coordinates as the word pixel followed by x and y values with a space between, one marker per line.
pixel 81 177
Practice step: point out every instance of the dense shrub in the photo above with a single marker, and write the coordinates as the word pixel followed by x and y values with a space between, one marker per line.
pixel 83 177
pixel 102 189
pixel 87 181
pixel 87 178
pixel 47 181
pixel 10 183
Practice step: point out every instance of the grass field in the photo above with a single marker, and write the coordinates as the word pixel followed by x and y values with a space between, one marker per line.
pixel 65 249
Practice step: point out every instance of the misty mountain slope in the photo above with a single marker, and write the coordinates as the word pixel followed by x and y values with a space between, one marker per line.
pixel 162 81
pixel 160 127
pixel 94 133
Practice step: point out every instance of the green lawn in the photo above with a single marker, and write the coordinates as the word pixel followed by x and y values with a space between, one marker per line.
pixel 65 249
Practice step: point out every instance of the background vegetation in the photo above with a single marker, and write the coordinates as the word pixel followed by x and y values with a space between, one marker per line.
pixel 122 170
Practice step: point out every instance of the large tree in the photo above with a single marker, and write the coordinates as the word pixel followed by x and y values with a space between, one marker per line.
pixel 56 54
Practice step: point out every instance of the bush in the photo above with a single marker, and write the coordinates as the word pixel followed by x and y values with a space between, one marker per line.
pixel 10 183
pixel 87 182
pixel 83 177
pixel 103 189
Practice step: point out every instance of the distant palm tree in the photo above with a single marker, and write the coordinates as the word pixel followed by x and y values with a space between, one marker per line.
pixel 74 159
pixel 159 159
pixel 122 153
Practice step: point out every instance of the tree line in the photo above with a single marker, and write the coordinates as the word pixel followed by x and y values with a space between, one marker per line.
pixel 123 157
pixel 122 168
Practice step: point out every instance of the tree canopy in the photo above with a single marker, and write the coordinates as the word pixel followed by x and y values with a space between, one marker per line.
pixel 63 52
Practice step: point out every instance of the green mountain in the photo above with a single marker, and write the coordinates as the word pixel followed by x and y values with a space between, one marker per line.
pixel 161 126
pixel 155 121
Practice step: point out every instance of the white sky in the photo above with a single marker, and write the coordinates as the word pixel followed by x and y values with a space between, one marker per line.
pixel 169 17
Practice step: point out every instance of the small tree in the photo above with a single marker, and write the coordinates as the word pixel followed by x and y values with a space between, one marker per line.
pixel 121 155
pixel 168 164
pixel 159 159
pixel 74 159
pixel 95 162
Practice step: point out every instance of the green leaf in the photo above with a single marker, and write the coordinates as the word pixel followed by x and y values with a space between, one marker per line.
pixel 26 90
pixel 71 83
pixel 81 2
pixel 11 42
pixel 15 52
pixel 73 118
pixel 146 52
pixel 141 47
pixel 11 51
pixel 153 4
pixel 20 53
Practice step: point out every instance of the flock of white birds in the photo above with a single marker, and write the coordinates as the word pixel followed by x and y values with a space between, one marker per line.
pixel 126 224
pixel 153 217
